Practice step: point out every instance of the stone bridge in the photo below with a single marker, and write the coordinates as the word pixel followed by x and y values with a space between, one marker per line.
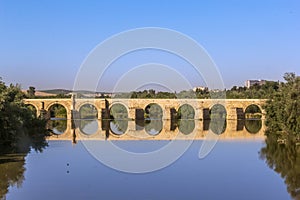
pixel 235 108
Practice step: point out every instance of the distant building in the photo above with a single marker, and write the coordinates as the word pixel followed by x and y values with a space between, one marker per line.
pixel 250 83
pixel 198 88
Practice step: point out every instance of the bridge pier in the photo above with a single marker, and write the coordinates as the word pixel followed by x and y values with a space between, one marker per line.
pixel 99 113
pixel 69 114
pixel 232 125
pixel 198 113
pixel 206 115
pixel 240 113
pixel 38 113
pixel 231 113
pixel 75 114
pixel 131 113
pixel 105 113
pixel 167 113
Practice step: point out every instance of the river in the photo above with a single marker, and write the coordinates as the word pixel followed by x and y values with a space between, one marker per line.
pixel 69 169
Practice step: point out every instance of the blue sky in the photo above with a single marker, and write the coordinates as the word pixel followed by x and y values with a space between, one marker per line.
pixel 43 43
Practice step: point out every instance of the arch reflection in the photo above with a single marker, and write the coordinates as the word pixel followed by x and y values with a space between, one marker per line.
pixel 253 126
pixel 57 126
pixel 186 126
pixel 118 127
pixel 153 127
pixel 88 126
pixel 217 122
pixel 218 126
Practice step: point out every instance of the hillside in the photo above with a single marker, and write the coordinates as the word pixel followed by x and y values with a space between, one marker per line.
pixel 56 91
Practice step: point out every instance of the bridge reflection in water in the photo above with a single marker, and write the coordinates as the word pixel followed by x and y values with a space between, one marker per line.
pixel 94 129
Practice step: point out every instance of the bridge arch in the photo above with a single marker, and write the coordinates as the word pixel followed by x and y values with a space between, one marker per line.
pixel 154 110
pixel 35 110
pixel 218 111
pixel 119 110
pixel 49 107
pixel 88 110
pixel 186 111
pixel 253 111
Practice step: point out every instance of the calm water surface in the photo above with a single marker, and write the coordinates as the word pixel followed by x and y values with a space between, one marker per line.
pixel 233 170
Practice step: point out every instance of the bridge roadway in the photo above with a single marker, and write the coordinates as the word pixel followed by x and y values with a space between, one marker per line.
pixel 235 108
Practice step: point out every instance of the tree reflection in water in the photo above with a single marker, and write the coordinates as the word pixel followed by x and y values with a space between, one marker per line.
pixel 12 160
pixel 282 150
pixel 282 154
pixel 11 172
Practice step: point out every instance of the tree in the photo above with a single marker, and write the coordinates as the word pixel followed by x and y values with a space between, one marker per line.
pixel 20 131
pixel 31 92
pixel 19 127
pixel 282 150
pixel 283 108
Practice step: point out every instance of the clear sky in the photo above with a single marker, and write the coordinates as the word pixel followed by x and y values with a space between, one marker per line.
pixel 43 43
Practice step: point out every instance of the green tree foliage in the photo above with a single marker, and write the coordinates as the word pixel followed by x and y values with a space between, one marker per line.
pixel 31 92
pixel 282 149
pixel 20 131
pixel 283 108
pixel 19 128
pixel 61 96
pixel 58 111
pixel 264 91
pixel 190 94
